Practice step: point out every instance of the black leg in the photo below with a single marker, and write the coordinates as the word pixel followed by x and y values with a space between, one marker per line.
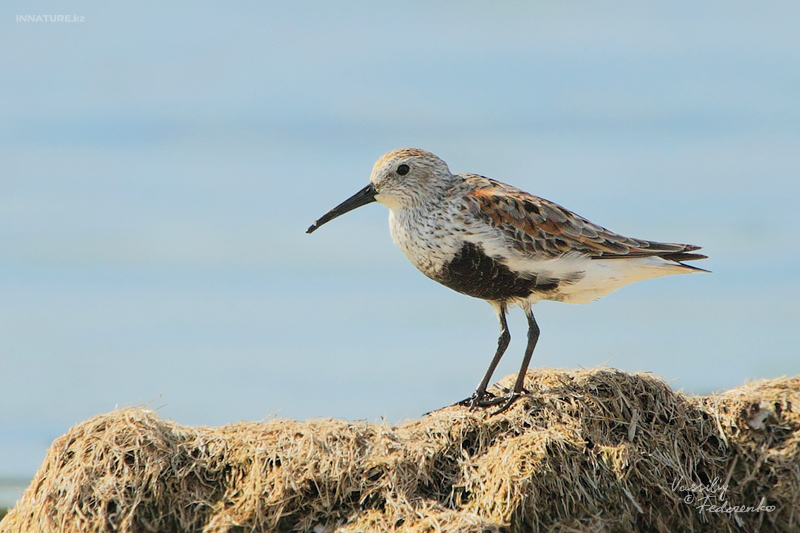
pixel 533 336
pixel 477 399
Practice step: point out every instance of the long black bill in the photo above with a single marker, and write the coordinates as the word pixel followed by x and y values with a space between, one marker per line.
pixel 363 197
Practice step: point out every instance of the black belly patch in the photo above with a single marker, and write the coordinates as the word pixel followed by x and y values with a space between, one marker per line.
pixel 474 273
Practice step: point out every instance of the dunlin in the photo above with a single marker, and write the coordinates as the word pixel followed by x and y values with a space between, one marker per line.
pixel 490 240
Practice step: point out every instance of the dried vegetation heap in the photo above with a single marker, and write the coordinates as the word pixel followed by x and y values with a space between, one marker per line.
pixel 589 450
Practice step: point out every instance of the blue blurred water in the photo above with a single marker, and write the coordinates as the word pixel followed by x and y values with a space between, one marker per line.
pixel 160 166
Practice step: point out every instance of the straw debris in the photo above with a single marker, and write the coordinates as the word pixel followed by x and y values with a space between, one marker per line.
pixel 585 450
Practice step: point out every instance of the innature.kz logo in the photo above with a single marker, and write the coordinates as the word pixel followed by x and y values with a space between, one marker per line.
pixel 50 18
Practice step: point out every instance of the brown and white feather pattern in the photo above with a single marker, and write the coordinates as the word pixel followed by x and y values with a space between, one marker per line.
pixel 537 227
pixel 493 241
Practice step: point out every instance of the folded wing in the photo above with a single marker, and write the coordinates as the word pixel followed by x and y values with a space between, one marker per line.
pixel 537 227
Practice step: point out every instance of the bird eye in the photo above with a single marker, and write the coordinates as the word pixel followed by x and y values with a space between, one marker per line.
pixel 403 169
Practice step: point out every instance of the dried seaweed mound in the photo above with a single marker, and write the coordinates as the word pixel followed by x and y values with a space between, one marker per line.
pixel 587 450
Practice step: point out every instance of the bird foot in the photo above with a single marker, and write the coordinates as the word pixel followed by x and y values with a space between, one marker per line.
pixel 487 399
pixel 513 397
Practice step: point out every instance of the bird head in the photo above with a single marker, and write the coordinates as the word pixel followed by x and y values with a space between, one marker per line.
pixel 401 178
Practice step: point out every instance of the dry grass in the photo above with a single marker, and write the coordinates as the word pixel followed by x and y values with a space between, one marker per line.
pixel 587 450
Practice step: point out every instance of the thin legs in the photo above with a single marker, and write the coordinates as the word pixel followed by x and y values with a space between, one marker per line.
pixel 533 337
pixel 478 399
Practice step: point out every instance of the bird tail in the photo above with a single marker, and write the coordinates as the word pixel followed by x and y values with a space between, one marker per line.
pixel 680 257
